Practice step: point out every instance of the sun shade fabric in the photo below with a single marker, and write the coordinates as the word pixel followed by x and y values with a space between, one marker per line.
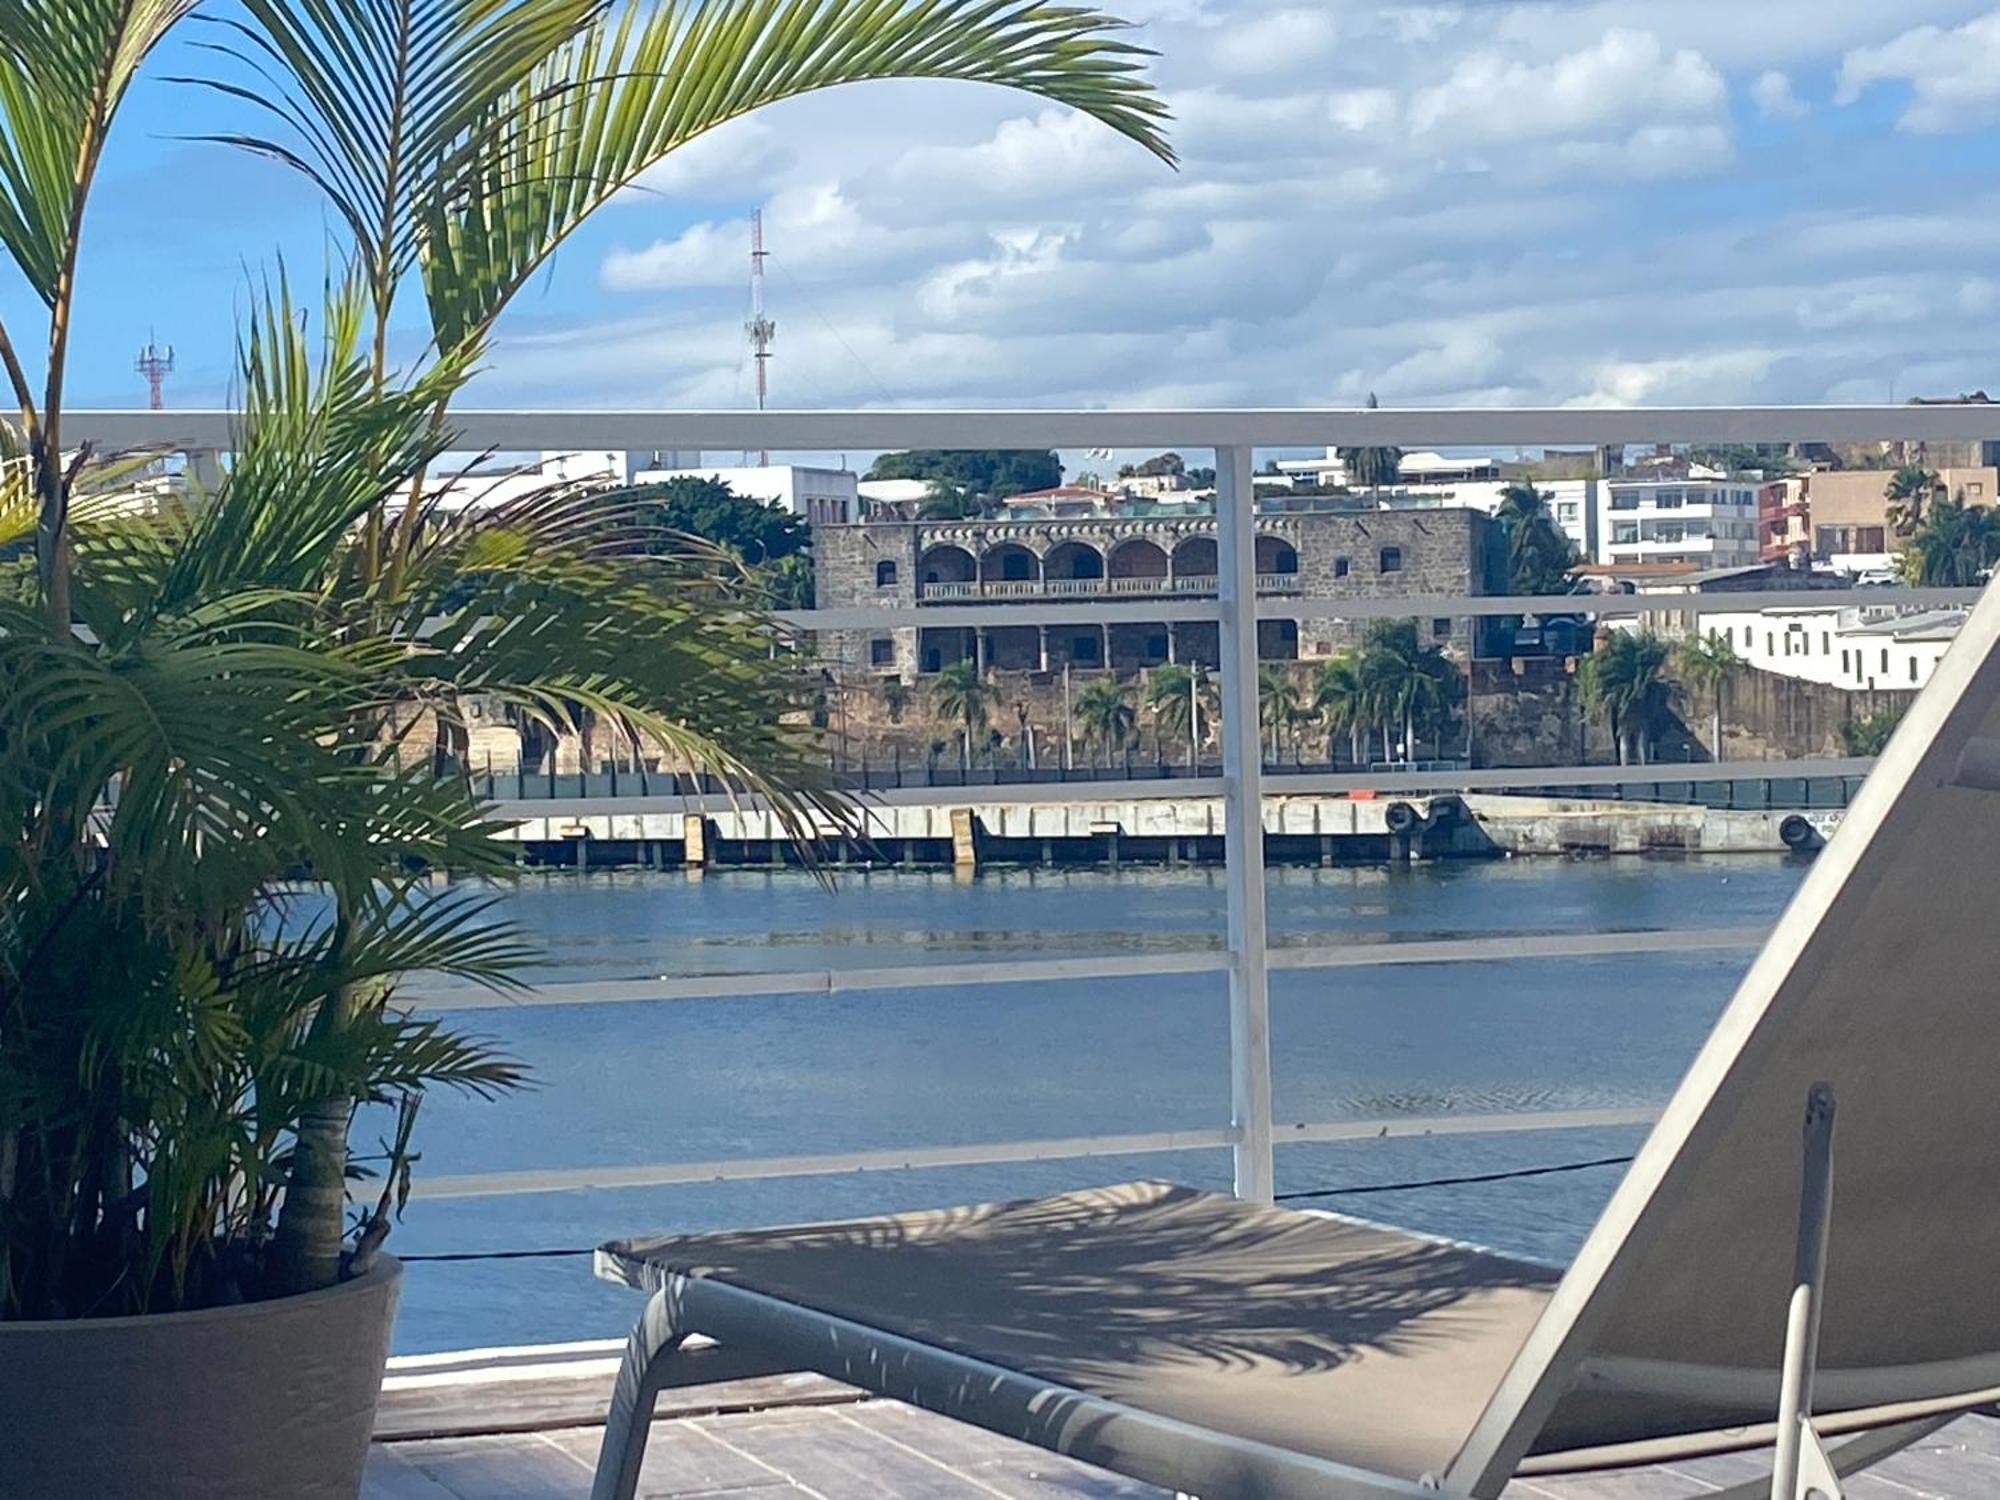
pixel 1322 1335
pixel 1883 979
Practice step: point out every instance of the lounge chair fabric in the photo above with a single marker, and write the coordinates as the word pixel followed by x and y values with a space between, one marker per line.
pixel 1327 1336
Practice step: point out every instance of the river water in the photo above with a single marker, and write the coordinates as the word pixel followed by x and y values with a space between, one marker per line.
pixel 704 1079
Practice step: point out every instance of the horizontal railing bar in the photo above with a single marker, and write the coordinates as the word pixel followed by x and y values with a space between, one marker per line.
pixel 1335 1131
pixel 1111 966
pixel 1278 784
pixel 769 1168
pixel 1396 607
pixel 822 431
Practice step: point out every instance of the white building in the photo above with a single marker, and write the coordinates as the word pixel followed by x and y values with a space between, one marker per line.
pixel 1710 523
pixel 825 497
pixel 1877 646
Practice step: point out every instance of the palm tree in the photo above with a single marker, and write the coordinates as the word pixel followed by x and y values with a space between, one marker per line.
pixel 961 696
pixel 1910 491
pixel 1373 467
pixel 1341 699
pixel 1178 697
pixel 1954 545
pixel 459 146
pixel 1707 664
pixel 1625 683
pixel 1539 553
pixel 1278 701
pixel 1104 708
pixel 1404 681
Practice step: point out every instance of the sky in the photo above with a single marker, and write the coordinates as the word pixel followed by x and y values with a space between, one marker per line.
pixel 1485 203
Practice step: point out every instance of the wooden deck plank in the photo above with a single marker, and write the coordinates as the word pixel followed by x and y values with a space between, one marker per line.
pixel 843 1460
pixel 883 1450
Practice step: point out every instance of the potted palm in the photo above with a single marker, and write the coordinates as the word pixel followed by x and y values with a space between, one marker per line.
pixel 214 867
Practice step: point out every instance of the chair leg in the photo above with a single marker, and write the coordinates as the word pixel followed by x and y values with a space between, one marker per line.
pixel 649 1353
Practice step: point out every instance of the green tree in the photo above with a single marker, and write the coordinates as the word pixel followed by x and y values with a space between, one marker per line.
pixel 1539 553
pixel 458 146
pixel 1406 683
pixel 947 501
pixel 1278 702
pixel 1870 735
pixel 1342 700
pixel 1181 700
pixel 991 474
pixel 1373 467
pixel 1707 664
pixel 1625 683
pixel 698 505
pixel 1910 491
pixel 1953 546
pixel 1104 709
pixel 961 696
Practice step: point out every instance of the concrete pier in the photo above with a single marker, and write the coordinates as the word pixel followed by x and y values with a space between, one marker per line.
pixel 988 829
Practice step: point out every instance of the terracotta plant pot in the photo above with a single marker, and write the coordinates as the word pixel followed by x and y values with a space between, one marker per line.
pixel 255 1402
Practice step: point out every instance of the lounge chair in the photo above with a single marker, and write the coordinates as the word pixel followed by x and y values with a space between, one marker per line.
pixel 1227 1349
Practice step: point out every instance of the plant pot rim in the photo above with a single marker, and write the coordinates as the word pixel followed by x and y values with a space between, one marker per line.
pixel 386 1268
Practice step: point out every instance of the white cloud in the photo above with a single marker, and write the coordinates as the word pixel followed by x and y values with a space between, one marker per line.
pixel 1624 78
pixel 720 162
pixel 1774 97
pixel 1277 42
pixel 1501 202
pixel 1953 74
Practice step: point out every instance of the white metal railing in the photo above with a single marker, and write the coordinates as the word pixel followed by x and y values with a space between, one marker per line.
pixel 1233 436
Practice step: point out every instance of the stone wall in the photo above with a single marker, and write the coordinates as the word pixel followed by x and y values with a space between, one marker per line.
pixel 1768 715
pixel 1369 555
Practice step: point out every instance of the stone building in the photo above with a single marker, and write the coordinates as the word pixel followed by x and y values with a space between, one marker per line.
pixel 909 568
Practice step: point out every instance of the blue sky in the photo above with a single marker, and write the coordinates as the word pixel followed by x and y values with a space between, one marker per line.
pixel 1477 203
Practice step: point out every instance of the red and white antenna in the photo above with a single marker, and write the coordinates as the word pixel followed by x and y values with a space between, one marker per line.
pixel 760 328
pixel 156 363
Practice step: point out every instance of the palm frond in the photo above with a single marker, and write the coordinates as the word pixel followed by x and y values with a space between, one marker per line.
pixel 373 100
pixel 647 79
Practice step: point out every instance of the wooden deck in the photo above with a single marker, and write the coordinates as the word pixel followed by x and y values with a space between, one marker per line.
pixel 525 1430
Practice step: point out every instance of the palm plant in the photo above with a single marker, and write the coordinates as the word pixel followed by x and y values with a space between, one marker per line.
pixel 1180 698
pixel 1374 467
pixel 1909 492
pixel 1625 683
pixel 1342 701
pixel 1278 701
pixel 1405 682
pixel 460 143
pixel 1539 553
pixel 1953 546
pixel 1707 664
pixel 961 696
pixel 1104 708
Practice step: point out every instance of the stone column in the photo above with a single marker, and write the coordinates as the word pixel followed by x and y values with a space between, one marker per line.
pixel 1045 646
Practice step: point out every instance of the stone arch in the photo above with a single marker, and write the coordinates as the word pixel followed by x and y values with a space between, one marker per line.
pixel 1135 557
pixel 947 564
pixel 1008 562
pixel 1276 555
pixel 1195 557
pixel 1072 560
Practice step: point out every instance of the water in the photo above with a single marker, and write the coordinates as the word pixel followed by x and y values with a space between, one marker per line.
pixel 701 1079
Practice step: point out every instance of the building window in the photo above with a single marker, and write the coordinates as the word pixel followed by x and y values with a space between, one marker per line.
pixel 885 575
pixel 882 652
pixel 1913 669
pixel 1826 642
pixel 1392 560
pixel 1770 644
pixel 1885 658
pixel 1871 539
pixel 1086 650
pixel 1441 630
pixel 1340 567
pixel 1975 489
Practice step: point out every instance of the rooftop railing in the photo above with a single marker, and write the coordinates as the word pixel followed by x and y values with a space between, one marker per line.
pixel 1240 599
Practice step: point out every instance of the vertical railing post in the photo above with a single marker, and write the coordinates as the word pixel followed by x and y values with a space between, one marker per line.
pixel 1243 825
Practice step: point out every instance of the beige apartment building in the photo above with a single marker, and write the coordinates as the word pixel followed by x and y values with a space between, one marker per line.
pixel 1848 512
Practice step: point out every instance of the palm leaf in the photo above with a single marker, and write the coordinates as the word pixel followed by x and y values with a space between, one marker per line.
pixel 635 85
pixel 375 99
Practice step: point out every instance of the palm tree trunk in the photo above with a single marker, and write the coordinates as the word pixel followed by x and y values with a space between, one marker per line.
pixel 1409 736
pixel 1715 742
pixel 305 1246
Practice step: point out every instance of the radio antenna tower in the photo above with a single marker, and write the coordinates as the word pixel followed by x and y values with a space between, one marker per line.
pixel 156 363
pixel 760 328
